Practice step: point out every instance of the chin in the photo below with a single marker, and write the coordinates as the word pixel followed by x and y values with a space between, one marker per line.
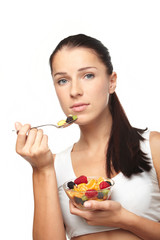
pixel 82 121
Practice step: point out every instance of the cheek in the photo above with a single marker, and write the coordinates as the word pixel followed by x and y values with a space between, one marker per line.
pixel 61 95
pixel 100 91
pixel 100 96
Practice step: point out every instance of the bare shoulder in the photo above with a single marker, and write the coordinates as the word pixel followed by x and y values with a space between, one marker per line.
pixel 155 142
pixel 155 150
pixel 54 155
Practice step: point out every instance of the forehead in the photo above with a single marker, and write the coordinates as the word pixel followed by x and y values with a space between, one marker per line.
pixel 77 57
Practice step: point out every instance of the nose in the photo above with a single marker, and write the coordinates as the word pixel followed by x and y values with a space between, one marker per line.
pixel 76 89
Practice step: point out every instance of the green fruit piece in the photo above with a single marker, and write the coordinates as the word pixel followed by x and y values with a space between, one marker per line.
pixel 105 192
pixel 84 198
pixel 74 117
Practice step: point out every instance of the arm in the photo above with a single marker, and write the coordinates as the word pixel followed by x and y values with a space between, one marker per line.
pixel 142 227
pixel 147 229
pixel 48 221
pixel 155 151
pixel 110 213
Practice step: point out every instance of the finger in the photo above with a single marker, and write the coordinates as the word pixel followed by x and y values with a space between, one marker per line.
pixel 21 139
pixel 97 205
pixel 18 126
pixel 76 211
pixel 38 138
pixel 44 141
pixel 73 208
pixel 31 137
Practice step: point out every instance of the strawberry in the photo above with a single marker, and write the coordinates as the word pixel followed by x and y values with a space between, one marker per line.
pixel 104 184
pixel 81 179
pixel 91 193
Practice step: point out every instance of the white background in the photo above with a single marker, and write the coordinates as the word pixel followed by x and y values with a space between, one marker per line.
pixel 29 31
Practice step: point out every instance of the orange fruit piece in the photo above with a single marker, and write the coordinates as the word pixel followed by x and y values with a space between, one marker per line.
pixel 78 194
pixel 97 187
pixel 91 184
pixel 80 187
pixel 100 179
pixel 72 194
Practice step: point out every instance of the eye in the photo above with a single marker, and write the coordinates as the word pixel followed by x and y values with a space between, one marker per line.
pixel 62 81
pixel 89 76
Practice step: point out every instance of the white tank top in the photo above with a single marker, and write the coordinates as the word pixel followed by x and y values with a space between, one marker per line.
pixel 139 194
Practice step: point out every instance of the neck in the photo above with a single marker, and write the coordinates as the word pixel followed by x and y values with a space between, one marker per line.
pixel 96 134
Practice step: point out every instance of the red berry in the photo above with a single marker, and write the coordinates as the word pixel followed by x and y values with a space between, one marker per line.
pixel 91 193
pixel 104 184
pixel 81 179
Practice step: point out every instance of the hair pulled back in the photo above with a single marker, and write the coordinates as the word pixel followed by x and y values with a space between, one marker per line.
pixel 124 153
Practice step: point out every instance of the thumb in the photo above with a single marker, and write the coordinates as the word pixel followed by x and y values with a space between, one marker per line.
pixel 18 126
pixel 96 205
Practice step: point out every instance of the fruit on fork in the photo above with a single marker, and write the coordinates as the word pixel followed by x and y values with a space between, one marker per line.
pixel 69 120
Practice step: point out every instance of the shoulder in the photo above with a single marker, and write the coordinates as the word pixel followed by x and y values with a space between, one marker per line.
pixel 155 142
pixel 54 155
pixel 155 151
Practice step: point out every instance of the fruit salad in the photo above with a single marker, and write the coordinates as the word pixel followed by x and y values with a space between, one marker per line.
pixel 88 188
pixel 69 120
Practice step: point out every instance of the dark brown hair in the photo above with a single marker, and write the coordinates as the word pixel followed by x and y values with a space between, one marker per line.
pixel 124 152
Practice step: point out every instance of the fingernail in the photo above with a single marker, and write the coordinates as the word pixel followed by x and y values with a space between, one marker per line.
pixel 16 125
pixel 87 204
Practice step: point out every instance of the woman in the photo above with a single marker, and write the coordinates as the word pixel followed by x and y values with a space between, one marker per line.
pixel 109 146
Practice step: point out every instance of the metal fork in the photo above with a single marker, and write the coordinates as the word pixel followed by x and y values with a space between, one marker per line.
pixel 52 125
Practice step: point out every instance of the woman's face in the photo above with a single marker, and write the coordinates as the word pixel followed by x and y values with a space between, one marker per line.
pixel 82 83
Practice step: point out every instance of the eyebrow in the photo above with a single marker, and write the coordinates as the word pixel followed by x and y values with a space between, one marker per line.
pixel 79 70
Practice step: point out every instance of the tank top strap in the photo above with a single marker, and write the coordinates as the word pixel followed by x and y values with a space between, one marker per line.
pixel 63 166
pixel 145 145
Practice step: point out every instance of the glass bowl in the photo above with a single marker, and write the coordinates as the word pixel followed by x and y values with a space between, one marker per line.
pixel 95 189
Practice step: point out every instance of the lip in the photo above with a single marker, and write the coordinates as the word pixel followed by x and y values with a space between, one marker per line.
pixel 79 107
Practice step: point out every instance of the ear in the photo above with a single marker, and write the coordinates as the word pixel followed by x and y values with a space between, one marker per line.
pixel 112 82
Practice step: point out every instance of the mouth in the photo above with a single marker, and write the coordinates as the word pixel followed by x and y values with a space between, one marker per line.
pixel 79 107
